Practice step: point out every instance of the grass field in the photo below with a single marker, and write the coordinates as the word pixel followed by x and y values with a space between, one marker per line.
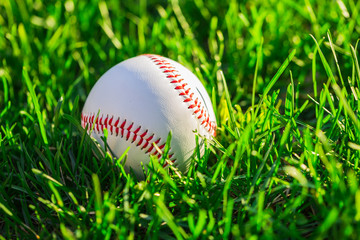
pixel 284 77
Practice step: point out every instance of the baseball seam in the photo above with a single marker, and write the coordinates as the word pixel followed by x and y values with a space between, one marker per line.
pixel 142 138
pixel 195 105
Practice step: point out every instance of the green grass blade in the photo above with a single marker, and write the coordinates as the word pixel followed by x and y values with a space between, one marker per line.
pixel 335 57
pixel 275 78
pixel 347 107
pixel 35 101
pixel 355 62
pixel 325 63
pixel 230 107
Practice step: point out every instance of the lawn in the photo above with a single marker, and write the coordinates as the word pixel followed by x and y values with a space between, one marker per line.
pixel 284 80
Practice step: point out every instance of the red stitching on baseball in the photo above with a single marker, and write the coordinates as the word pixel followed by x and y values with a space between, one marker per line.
pixel 143 135
pixel 145 139
pixel 194 105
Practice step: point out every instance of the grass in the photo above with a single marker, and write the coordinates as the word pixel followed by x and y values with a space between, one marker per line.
pixel 284 79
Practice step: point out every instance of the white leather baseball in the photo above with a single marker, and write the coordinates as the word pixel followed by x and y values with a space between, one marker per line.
pixel 141 100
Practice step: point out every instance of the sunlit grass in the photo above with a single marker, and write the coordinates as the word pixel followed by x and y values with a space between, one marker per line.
pixel 283 78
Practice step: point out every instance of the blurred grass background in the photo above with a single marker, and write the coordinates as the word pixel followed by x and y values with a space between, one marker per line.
pixel 291 172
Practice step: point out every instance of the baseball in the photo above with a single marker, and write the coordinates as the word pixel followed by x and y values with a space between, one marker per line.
pixel 139 101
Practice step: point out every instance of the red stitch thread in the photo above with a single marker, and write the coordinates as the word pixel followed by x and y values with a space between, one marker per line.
pixel 149 138
pixel 145 141
pixel 194 105
pixel 117 122
pixel 157 141
pixel 146 144
pixel 150 149
pixel 143 135
pixel 123 124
